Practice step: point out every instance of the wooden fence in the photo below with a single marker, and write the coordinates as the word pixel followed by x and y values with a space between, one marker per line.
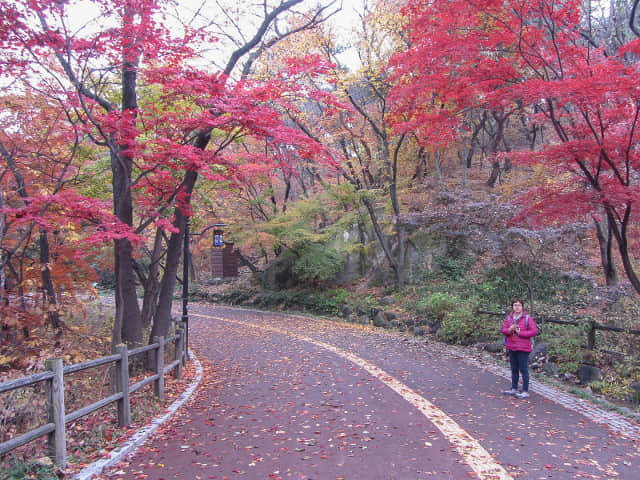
pixel 54 388
pixel 591 331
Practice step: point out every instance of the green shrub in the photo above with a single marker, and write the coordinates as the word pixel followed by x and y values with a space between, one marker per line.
pixel 106 279
pixel 16 469
pixel 439 304
pixel 317 262
pixel 565 343
pixel 459 325
pixel 503 283
pixel 326 302
pixel 361 302
pixel 417 306
pixel 455 264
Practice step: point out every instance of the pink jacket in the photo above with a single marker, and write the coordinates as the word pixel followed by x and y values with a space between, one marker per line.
pixel 519 342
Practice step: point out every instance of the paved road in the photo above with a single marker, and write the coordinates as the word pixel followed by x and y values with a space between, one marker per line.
pixel 289 397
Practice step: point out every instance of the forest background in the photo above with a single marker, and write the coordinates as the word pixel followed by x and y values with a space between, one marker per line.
pixel 443 159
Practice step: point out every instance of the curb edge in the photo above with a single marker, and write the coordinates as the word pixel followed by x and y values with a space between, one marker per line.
pixel 137 439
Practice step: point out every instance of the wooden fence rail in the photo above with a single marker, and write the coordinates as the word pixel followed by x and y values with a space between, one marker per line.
pixel 591 332
pixel 57 418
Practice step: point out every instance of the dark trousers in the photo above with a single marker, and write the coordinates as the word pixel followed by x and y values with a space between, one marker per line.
pixel 519 363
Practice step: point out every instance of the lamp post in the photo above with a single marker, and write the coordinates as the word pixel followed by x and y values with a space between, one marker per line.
pixel 185 286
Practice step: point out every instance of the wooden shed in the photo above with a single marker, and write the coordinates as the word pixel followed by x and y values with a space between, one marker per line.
pixel 224 257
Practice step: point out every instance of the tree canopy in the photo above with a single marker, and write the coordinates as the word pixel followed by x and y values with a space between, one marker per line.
pixel 540 60
pixel 118 129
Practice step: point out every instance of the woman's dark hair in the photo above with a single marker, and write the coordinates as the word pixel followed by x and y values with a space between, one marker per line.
pixel 517 300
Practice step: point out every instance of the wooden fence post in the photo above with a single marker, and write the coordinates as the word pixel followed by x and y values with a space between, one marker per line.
pixel 179 353
pixel 183 327
pixel 122 385
pixel 55 399
pixel 159 383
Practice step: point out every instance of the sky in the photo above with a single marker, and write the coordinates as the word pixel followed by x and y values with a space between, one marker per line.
pixel 83 14
pixel 344 22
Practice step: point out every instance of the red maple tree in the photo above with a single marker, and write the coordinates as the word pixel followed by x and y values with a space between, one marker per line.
pixel 536 57
pixel 48 221
pixel 134 87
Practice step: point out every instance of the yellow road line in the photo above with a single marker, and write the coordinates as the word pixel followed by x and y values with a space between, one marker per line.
pixel 474 455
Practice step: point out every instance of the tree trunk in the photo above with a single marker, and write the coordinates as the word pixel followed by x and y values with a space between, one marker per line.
pixel 401 273
pixel 473 142
pixel 162 317
pixel 620 233
pixel 605 241
pixel 395 202
pixel 421 166
pixel 439 171
pixel 127 308
pixel 247 263
pixel 498 137
pixel 128 325
pixel 464 178
pixel 495 174
pixel 4 290
pixel 152 284
pixel 163 312
pixel 47 283
pixel 382 239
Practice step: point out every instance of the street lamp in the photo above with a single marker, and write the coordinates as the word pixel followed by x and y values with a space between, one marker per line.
pixel 185 286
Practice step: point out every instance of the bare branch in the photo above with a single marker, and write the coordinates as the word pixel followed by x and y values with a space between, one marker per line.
pixel 257 38
pixel 317 19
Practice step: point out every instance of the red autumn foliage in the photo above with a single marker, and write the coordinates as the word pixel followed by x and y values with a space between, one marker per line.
pixel 131 87
pixel 534 57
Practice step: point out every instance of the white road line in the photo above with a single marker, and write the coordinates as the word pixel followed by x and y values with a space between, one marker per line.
pixel 474 455
pixel 605 417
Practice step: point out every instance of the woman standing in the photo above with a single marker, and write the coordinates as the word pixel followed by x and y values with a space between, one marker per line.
pixel 518 329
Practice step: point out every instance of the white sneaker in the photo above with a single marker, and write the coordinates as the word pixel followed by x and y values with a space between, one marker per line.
pixel 522 395
pixel 513 391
